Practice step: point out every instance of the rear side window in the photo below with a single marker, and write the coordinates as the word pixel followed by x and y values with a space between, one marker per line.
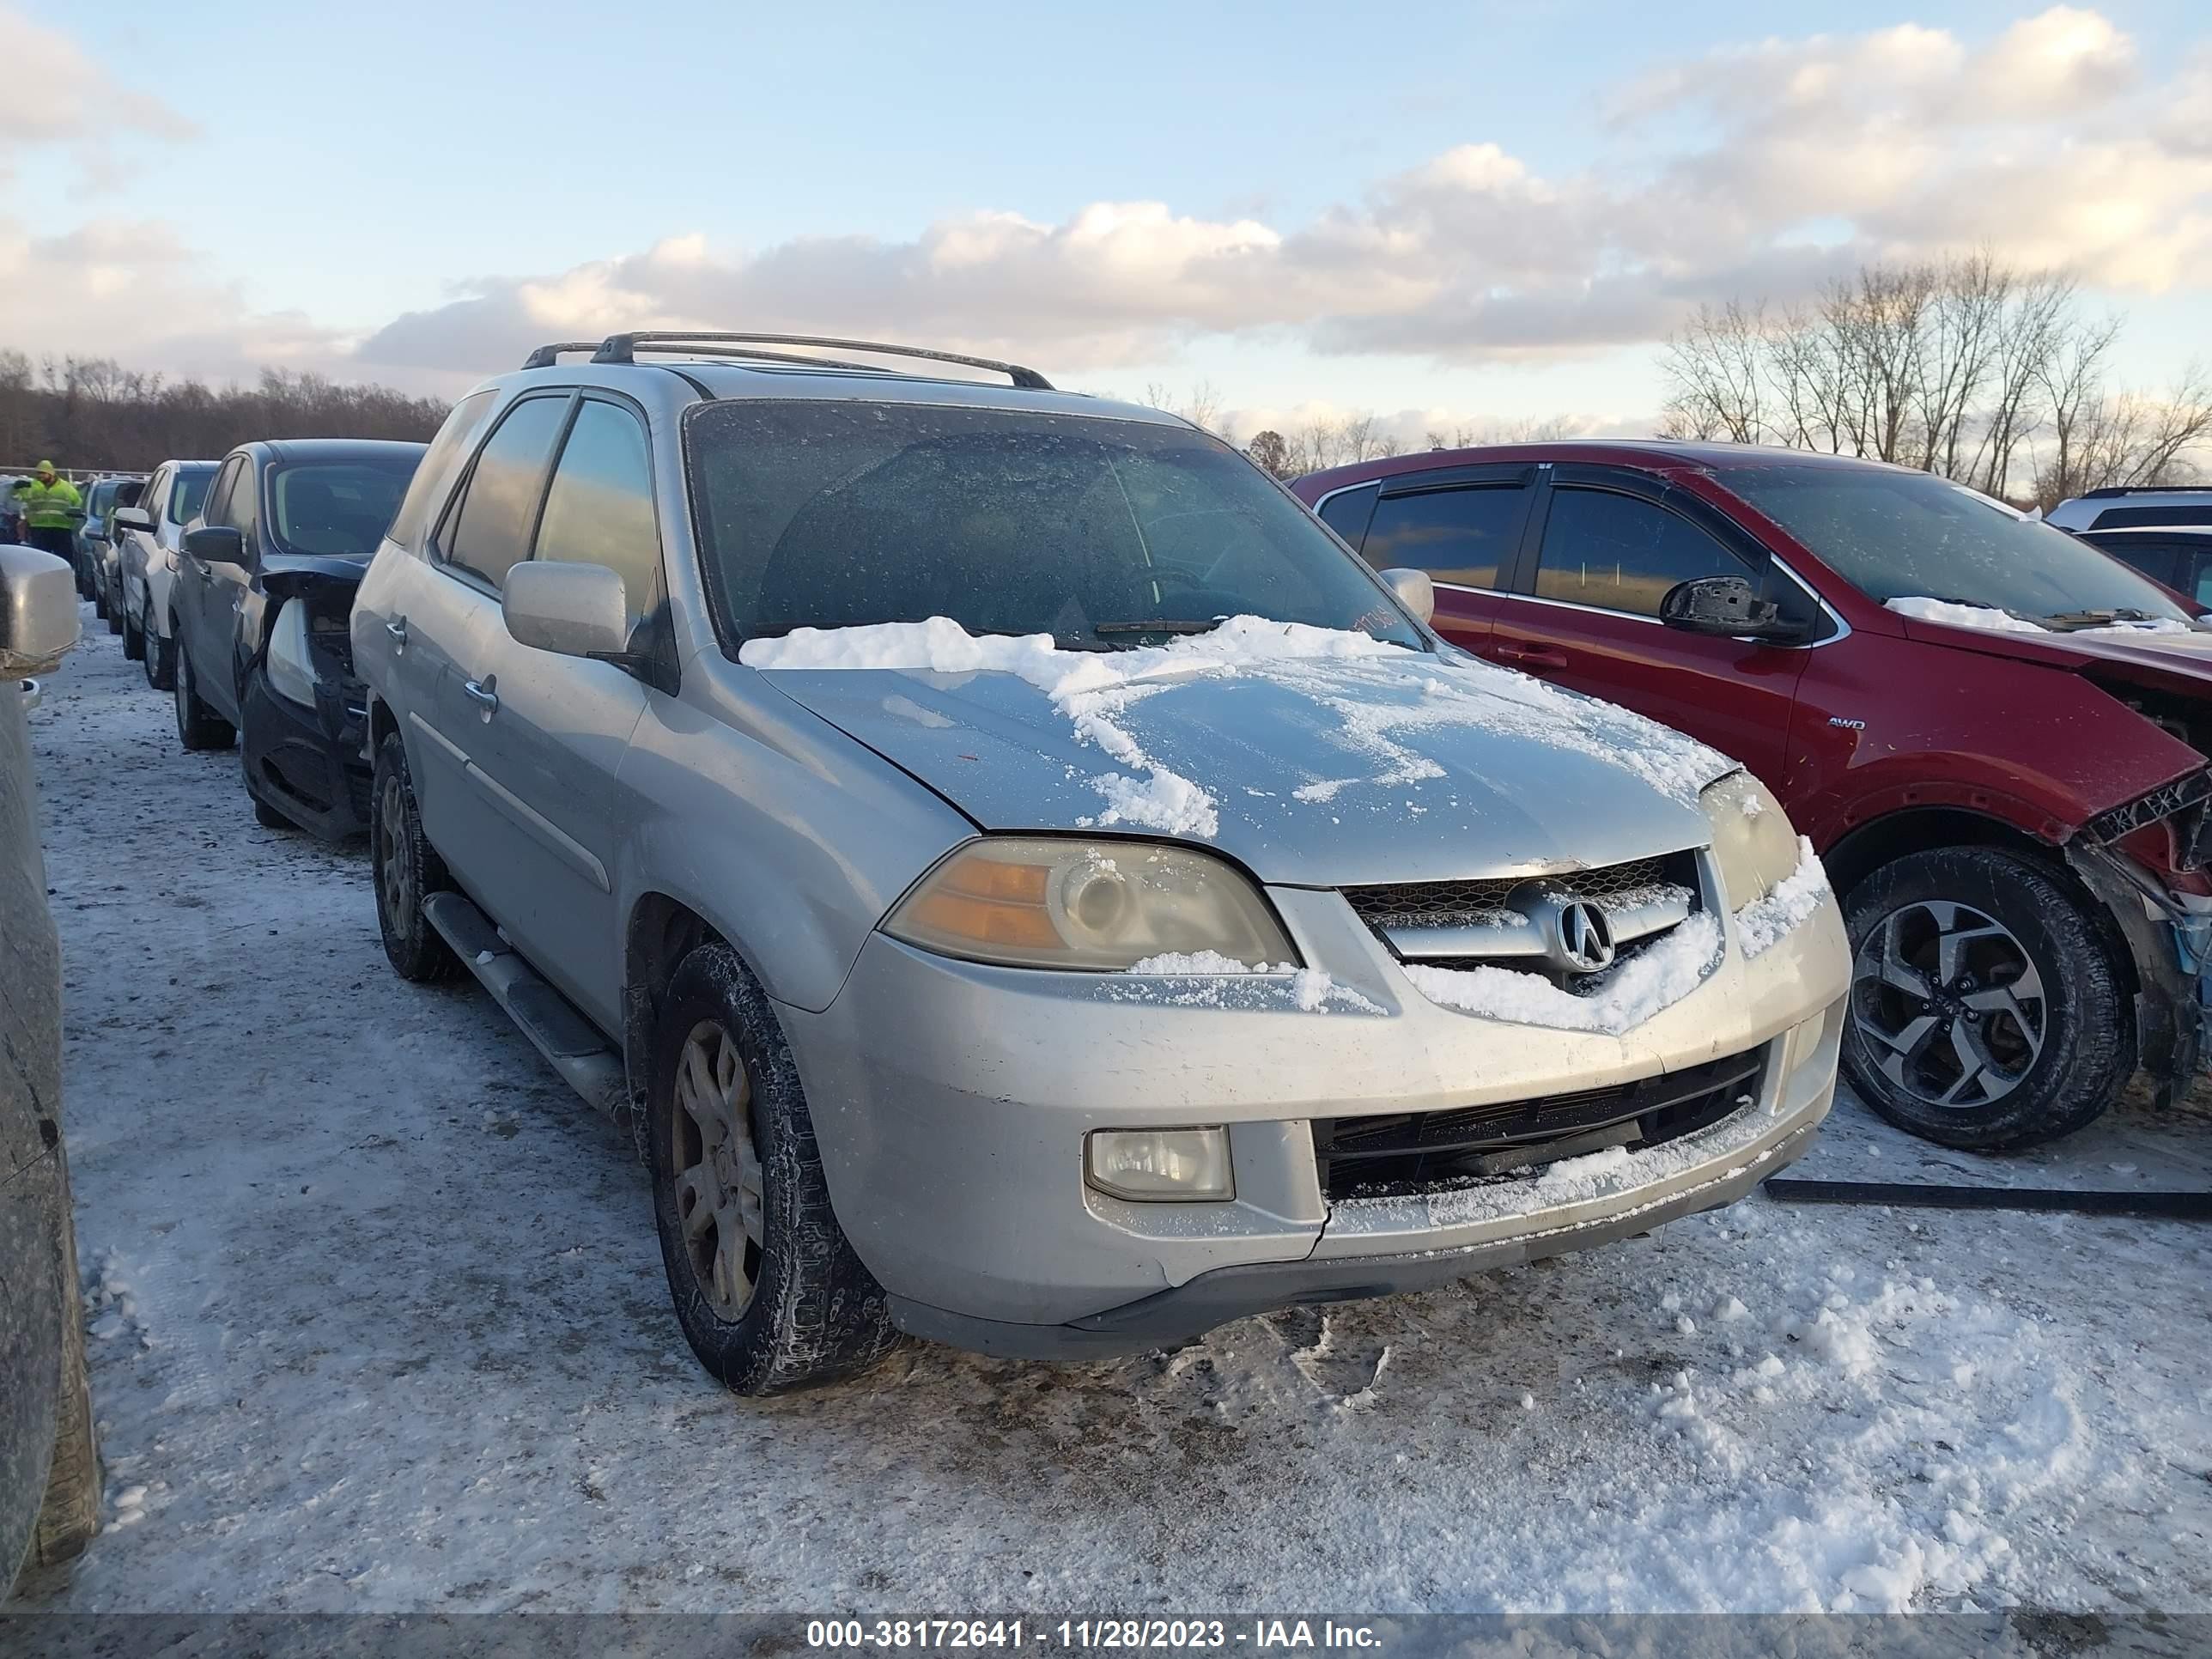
pixel 1458 536
pixel 1621 553
pixel 490 529
pixel 2162 562
pixel 599 508
pixel 186 492
pixel 2118 517
pixel 440 465
pixel 1347 511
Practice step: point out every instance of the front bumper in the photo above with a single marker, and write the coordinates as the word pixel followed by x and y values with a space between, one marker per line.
pixel 950 1101
pixel 307 763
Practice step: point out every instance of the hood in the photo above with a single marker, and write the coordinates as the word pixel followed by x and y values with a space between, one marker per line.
pixel 2179 662
pixel 1311 760
pixel 290 573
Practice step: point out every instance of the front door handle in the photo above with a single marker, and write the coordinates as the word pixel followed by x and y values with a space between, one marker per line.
pixel 1530 656
pixel 398 629
pixel 482 692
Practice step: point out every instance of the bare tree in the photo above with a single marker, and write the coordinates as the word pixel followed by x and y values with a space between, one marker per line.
pixel 1201 406
pixel 1271 452
pixel 1959 366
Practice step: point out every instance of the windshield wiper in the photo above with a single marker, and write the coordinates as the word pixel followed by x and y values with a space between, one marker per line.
pixel 1166 625
pixel 2091 618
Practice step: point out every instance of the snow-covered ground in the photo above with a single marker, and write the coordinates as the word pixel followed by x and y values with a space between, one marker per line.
pixel 381 1324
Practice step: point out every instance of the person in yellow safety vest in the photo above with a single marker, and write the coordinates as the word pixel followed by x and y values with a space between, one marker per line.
pixel 51 509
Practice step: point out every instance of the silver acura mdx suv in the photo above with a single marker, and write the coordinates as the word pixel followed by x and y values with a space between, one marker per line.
pixel 1025 883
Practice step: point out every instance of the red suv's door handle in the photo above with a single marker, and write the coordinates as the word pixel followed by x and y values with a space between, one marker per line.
pixel 1529 656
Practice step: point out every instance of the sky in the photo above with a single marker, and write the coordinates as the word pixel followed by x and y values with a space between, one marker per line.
pixel 1441 213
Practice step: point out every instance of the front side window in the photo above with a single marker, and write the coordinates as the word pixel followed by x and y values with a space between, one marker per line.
pixel 490 530
pixel 338 509
pixel 1459 536
pixel 237 503
pixel 599 509
pixel 1899 535
pixel 1101 532
pixel 1620 552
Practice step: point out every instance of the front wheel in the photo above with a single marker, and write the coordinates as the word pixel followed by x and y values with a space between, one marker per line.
pixel 767 1287
pixel 198 726
pixel 1989 1010
pixel 134 640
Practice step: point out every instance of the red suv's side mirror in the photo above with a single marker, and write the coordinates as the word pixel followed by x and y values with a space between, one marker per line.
pixel 1728 606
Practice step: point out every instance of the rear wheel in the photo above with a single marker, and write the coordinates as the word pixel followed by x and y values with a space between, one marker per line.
pixel 198 726
pixel 134 640
pixel 766 1285
pixel 407 870
pixel 1989 1010
pixel 100 605
pixel 160 654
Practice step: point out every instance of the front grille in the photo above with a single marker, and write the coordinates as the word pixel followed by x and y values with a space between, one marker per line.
pixel 1415 1151
pixel 1460 903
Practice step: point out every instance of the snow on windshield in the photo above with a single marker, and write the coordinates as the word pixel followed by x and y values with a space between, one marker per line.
pixel 1376 719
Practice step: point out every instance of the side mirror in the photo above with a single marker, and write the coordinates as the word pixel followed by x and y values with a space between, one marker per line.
pixel 1414 590
pixel 1727 606
pixel 38 612
pixel 133 517
pixel 216 543
pixel 571 609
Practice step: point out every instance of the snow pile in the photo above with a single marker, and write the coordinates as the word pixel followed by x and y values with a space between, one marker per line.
pixel 1095 689
pixel 1759 924
pixel 1964 616
pixel 1310 988
pixel 1624 995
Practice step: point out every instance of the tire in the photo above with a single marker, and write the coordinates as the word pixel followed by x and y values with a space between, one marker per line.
pixel 269 817
pixel 799 1308
pixel 2017 1066
pixel 160 656
pixel 101 608
pixel 405 869
pixel 68 1515
pixel 115 615
pixel 134 640
pixel 198 726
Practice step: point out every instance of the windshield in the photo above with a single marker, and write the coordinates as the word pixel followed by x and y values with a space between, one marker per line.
pixel 1914 536
pixel 192 490
pixel 338 509
pixel 1104 533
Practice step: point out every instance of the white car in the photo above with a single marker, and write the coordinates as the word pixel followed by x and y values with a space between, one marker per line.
pixel 145 545
pixel 2127 507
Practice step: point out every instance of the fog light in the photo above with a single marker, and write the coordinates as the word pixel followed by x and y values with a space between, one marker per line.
pixel 1150 1165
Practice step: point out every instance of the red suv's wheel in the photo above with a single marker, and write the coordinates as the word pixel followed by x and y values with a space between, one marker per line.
pixel 1987 1010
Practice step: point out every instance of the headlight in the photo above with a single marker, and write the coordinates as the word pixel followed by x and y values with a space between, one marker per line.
pixel 1753 841
pixel 291 670
pixel 1033 902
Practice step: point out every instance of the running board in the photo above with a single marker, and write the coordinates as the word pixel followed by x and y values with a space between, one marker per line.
pixel 570 1043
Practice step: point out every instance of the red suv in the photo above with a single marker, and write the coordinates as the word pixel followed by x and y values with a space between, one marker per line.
pixel 1994 734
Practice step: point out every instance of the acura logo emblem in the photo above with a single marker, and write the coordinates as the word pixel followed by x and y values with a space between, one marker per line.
pixel 1583 943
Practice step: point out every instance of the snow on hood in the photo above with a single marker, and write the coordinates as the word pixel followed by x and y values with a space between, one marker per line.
pixel 1312 754
pixel 2003 622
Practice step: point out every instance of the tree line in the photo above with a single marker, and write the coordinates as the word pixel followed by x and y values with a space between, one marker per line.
pixel 93 414
pixel 1995 376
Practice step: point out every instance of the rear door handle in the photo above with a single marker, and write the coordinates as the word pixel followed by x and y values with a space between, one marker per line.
pixel 480 692
pixel 1530 656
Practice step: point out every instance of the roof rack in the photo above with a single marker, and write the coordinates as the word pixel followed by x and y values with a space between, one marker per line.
pixel 546 355
pixel 2108 492
pixel 623 348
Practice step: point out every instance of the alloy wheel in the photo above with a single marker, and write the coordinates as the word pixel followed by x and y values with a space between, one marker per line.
pixel 718 1189
pixel 396 868
pixel 1952 1008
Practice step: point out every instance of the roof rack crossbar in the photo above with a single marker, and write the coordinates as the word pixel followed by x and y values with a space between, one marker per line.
pixel 546 355
pixel 623 349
